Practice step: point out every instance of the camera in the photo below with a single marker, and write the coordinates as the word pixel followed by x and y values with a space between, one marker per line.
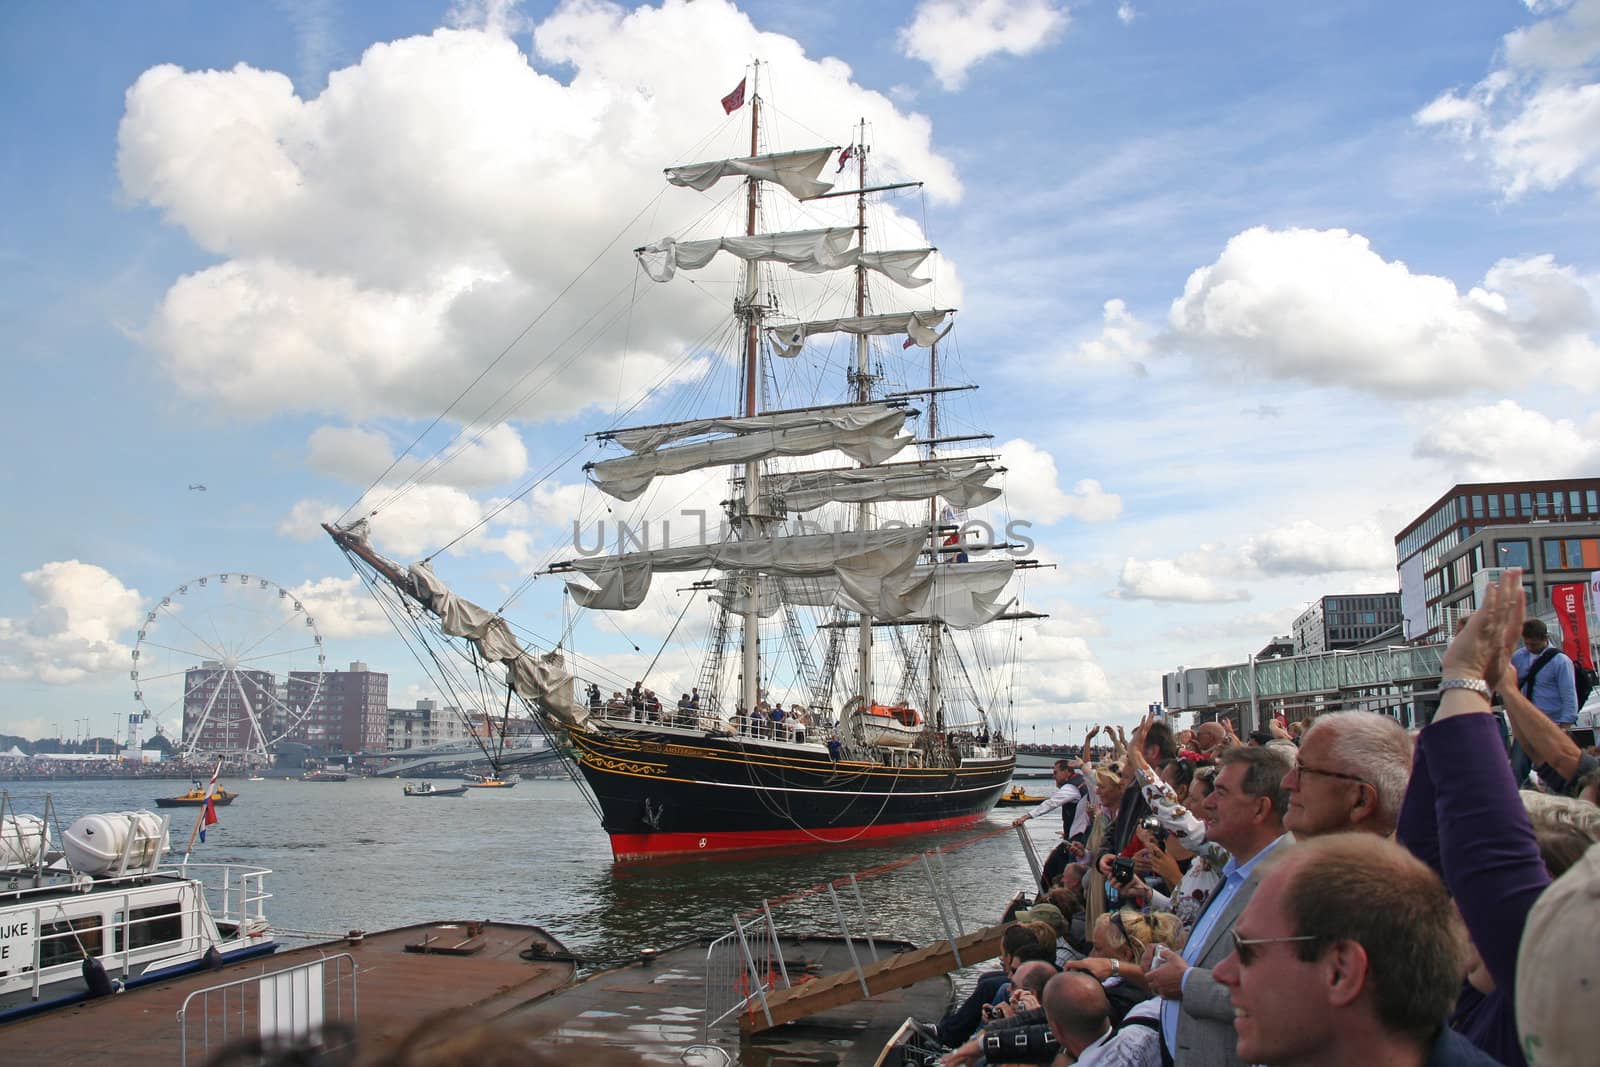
pixel 1151 823
pixel 1122 870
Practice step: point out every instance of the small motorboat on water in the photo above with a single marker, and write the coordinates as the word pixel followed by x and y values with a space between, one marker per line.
pixel 324 776
pixel 478 781
pixel 426 789
pixel 195 797
pixel 1017 797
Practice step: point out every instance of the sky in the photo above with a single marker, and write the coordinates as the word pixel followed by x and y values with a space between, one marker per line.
pixel 1246 286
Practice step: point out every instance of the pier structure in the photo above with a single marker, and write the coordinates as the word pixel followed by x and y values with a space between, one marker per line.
pixel 1399 681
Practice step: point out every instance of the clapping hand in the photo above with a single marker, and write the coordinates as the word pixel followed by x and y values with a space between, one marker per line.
pixel 1482 649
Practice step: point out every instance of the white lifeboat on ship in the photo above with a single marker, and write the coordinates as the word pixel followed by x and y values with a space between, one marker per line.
pixel 890 725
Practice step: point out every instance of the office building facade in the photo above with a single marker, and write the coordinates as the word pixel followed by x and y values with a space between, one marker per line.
pixel 1423 545
pixel 1345 621
pixel 350 712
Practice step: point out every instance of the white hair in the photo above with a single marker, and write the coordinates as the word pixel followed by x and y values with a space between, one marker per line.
pixel 1377 748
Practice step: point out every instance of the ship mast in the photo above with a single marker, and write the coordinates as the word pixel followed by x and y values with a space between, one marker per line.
pixel 934 715
pixel 750 674
pixel 863 383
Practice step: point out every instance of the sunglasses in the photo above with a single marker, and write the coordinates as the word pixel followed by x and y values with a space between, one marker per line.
pixel 1116 920
pixel 1245 947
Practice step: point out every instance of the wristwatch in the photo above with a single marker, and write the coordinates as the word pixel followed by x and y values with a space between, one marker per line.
pixel 1477 685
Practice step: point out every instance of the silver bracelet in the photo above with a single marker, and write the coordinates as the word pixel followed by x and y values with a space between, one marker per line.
pixel 1477 685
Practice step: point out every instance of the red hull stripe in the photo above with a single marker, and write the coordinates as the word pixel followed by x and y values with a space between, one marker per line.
pixel 644 846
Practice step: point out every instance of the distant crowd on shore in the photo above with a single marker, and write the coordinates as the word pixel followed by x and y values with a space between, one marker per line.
pixel 1341 891
pixel 33 768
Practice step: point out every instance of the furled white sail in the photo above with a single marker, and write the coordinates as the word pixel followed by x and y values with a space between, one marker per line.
pixel 868 565
pixel 542 679
pixel 897 265
pixel 650 438
pixel 808 251
pixel 795 171
pixel 867 435
pixel 963 482
pixel 961 595
pixel 922 327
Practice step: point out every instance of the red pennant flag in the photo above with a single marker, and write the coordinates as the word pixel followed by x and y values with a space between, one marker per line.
pixel 734 100
pixel 1567 599
pixel 844 157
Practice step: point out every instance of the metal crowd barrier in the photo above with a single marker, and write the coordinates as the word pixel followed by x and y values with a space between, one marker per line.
pixel 306 1003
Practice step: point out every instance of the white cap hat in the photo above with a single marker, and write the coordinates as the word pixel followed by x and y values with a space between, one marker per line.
pixel 1558 969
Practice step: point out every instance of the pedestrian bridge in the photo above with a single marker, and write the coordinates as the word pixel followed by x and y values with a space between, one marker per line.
pixel 1392 680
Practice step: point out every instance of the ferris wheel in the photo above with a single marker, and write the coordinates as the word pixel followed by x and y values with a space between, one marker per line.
pixel 227 665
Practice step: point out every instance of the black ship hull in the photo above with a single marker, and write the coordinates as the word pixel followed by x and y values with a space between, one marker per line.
pixel 670 792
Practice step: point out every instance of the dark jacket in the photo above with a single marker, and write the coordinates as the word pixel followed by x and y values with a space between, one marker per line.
pixel 1469 825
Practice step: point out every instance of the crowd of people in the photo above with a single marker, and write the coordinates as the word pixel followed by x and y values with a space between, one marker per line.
pixel 1339 891
pixel 768 720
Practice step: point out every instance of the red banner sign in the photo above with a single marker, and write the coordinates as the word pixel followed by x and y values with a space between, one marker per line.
pixel 1567 599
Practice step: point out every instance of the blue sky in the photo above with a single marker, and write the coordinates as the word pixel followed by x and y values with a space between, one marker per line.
pixel 1247 285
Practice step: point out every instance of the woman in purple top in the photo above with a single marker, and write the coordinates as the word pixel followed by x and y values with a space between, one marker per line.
pixel 1463 817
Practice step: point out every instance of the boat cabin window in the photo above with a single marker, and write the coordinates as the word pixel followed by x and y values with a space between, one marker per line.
pixel 155 925
pixel 59 941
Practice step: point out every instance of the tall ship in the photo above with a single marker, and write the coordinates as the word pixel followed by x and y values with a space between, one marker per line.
pixel 858 623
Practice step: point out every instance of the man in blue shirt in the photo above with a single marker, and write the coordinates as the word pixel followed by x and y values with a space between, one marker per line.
pixel 1244 814
pixel 1545 676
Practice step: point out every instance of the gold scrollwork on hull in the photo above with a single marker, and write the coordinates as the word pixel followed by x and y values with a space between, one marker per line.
pixel 620 766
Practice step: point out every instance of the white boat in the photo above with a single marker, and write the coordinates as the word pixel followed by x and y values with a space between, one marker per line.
pixel 426 789
pixel 892 725
pixel 100 910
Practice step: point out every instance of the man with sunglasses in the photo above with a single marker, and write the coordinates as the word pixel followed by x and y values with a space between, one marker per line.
pixel 1347 954
pixel 1350 774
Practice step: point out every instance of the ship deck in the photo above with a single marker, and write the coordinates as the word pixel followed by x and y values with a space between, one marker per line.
pixel 397 989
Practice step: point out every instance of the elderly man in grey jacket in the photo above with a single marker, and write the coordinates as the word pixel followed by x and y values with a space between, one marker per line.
pixel 1244 814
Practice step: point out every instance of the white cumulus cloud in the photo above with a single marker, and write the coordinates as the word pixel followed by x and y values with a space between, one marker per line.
pixel 1507 442
pixel 80 614
pixel 381 241
pixel 1123 338
pixel 342 607
pixel 1167 580
pixel 1034 493
pixel 1322 306
pixel 1536 118
pixel 953 35
pixel 1304 547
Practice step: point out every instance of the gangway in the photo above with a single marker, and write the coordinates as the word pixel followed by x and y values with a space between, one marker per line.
pixel 896 972
pixel 745 975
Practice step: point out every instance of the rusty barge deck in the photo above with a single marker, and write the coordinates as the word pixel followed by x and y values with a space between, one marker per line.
pixel 397 989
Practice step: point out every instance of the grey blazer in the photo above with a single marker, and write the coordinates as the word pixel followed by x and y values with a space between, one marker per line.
pixel 1205 1020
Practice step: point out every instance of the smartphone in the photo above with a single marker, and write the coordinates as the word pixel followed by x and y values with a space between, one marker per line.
pixel 1582 736
pixel 1158 956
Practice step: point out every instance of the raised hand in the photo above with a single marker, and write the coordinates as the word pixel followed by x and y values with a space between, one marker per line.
pixel 1482 649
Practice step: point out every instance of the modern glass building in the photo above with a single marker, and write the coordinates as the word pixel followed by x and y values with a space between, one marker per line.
pixel 1428 542
pixel 1336 622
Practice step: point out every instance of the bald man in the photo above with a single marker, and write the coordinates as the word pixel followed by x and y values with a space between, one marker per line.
pixel 1079 1015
